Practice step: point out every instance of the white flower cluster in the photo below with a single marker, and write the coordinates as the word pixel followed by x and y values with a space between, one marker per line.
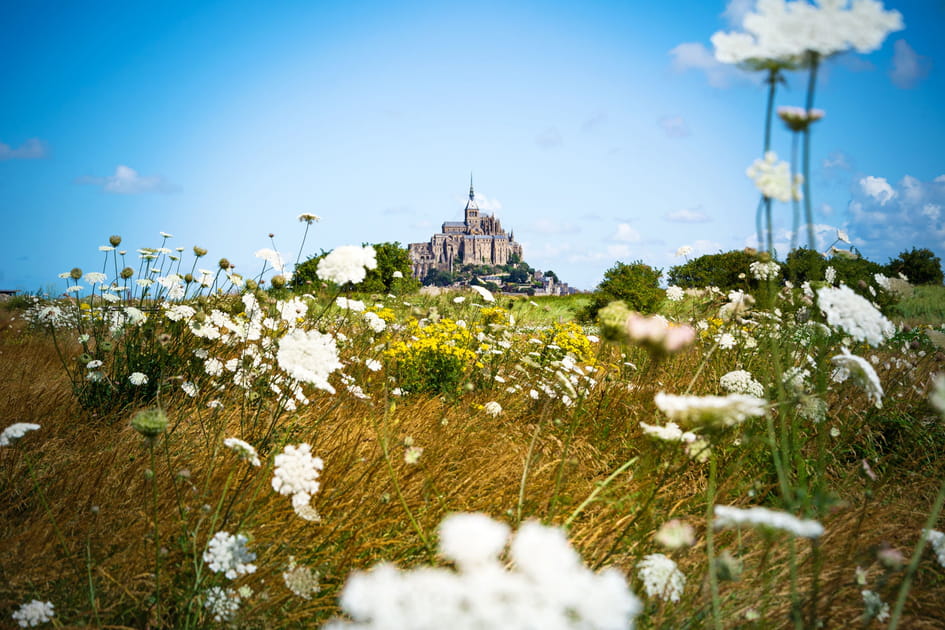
pixel 661 577
pixel 309 356
pixel 227 554
pixel 272 257
pixel 773 178
pixel 244 450
pixel 296 475
pixel 786 30
pixel 862 372
pixel 221 602
pixel 675 294
pixel 137 379
pixel 798 118
pixel 301 580
pixel 696 447
pixel 741 382
pixel 731 516
pixel 723 411
pixel 937 541
pixel 15 431
pixel 348 263
pixel 854 315
pixel 492 408
pixel 873 606
pixel 34 613
pixel 548 587
pixel 765 270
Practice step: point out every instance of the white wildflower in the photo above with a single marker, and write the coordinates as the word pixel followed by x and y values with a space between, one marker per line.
pixel 228 554
pixel 15 431
pixel 675 534
pixel 483 292
pixel 348 263
pixel 773 178
pixel 862 372
pixel 243 449
pixel 354 305
pixel 137 378
pixel 937 541
pixel 222 603
pixel 296 472
pixel 730 516
pixel 302 581
pixel 675 294
pixel 874 606
pixel 710 410
pixel 309 357
pixel 741 382
pixel 34 613
pixel 492 408
pixel 272 257
pixel 661 577
pixel 189 388
pixel 854 315
pixel 765 270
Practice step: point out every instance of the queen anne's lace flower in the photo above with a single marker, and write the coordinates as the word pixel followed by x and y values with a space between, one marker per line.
pixel 296 475
pixel 309 356
pixel 34 613
pixel 15 431
pixel 222 603
pixel 272 257
pixel 302 581
pixel 228 554
pixel 348 263
pixel 675 294
pixel 730 516
pixel 854 315
pixel 710 410
pixel 741 382
pixel 492 408
pixel 862 372
pixel 547 587
pixel 138 378
pixel 765 270
pixel 937 541
pixel 661 577
pixel 773 178
pixel 245 450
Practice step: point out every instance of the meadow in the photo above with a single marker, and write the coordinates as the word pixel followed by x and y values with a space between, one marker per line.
pixel 365 422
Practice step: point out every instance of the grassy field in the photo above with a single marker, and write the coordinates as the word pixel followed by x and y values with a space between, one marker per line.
pixel 460 405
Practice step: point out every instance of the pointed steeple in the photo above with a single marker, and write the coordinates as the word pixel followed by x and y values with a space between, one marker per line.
pixel 472 194
pixel 472 210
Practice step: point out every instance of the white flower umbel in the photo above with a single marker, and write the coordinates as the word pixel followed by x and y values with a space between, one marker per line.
pixel 731 516
pixel 661 577
pixel 937 542
pixel 302 581
pixel 741 382
pixel 854 315
pixel 773 178
pixel 492 408
pixel 296 473
pixel 547 587
pixel 227 554
pixel 138 378
pixel 670 433
pixel 309 357
pixel 862 372
pixel 765 270
pixel 272 257
pixel 34 613
pixel 483 292
pixel 222 603
pixel 710 410
pixel 15 431
pixel 675 294
pixel 243 449
pixel 348 263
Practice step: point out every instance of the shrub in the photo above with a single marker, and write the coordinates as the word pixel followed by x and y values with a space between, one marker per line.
pixel 920 266
pixel 725 270
pixel 435 359
pixel 635 284
pixel 391 260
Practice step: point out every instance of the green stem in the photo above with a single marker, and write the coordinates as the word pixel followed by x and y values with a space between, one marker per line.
pixel 525 469
pixel 46 508
pixel 808 209
pixel 710 542
pixel 597 490
pixel 88 569
pixel 157 540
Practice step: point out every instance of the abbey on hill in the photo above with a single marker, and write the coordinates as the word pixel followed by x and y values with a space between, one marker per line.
pixel 477 240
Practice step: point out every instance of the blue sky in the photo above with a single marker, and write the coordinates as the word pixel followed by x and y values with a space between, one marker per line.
pixel 597 131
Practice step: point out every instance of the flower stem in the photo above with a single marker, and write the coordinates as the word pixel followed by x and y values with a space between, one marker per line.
pixel 710 542
pixel 157 541
pixel 808 210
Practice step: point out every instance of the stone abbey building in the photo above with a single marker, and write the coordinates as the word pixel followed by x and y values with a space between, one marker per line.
pixel 477 240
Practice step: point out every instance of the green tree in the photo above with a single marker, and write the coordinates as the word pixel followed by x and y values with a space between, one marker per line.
pixel 391 259
pixel 637 284
pixel 804 265
pixel 725 270
pixel 920 266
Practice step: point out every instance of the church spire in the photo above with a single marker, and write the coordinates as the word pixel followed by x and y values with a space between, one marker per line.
pixel 471 193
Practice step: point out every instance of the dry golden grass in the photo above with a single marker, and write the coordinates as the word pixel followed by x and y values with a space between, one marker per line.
pixel 531 461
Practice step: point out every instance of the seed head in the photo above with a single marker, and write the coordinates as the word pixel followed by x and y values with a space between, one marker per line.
pixel 199 251
pixel 224 264
pixel 115 240
pixel 278 282
pixel 126 273
pixel 150 422
pixel 75 273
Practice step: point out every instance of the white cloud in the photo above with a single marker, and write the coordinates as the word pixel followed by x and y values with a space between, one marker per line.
pixel 877 188
pixel 933 211
pixel 735 12
pixel 837 159
pixel 695 56
pixel 127 181
pixel 488 205
pixel 674 126
pixel 940 179
pixel 687 215
pixel 908 67
pixel 31 149
pixel 703 246
pixel 626 233
pixel 549 138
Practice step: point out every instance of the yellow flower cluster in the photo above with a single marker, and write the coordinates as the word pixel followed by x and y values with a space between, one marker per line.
pixel 713 326
pixel 434 358
pixel 570 339
pixel 385 313
pixel 494 316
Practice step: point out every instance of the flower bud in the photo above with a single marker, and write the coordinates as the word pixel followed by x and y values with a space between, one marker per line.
pixel 150 422
pixel 199 251
pixel 114 240
pixel 126 273
pixel 75 273
pixel 278 282
pixel 224 264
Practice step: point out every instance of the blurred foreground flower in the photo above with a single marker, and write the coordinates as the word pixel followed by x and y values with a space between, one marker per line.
pixel 15 431
pixel 863 375
pixel 710 411
pixel 773 178
pixel 731 516
pixel 348 263
pixel 854 315
pixel 656 334
pixel 547 587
